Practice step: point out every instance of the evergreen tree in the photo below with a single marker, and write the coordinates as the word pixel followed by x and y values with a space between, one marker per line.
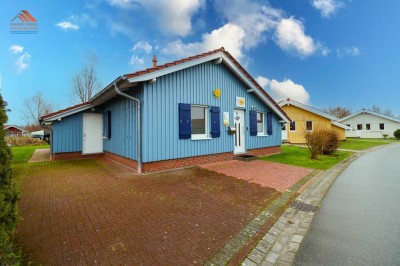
pixel 8 195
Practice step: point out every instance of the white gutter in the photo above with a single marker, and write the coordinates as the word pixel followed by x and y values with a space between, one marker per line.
pixel 139 137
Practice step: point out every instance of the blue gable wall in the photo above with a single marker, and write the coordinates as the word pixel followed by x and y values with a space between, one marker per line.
pixel 67 134
pixel 123 124
pixel 195 85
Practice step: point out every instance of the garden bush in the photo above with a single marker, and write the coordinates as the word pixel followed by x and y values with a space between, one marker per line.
pixel 321 141
pixel 8 197
pixel 397 134
pixel 23 141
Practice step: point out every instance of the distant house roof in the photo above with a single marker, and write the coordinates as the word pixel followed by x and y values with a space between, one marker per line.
pixel 9 126
pixel 334 119
pixel 152 73
pixel 371 113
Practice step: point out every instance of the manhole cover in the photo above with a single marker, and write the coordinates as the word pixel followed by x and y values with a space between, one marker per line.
pixel 301 206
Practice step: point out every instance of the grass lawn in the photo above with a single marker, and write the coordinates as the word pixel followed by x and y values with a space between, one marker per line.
pixel 301 157
pixel 22 154
pixel 363 144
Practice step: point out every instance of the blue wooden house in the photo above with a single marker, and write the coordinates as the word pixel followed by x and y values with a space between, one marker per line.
pixel 201 109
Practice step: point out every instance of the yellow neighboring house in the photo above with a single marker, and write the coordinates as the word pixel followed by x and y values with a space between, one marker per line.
pixel 304 119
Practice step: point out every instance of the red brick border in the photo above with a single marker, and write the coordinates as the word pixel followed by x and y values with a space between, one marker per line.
pixel 74 155
pixel 169 164
pixel 120 159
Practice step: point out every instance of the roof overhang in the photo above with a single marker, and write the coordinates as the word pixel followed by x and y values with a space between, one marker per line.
pixel 308 108
pixel 218 57
pixel 335 123
pixel 56 117
pixel 371 113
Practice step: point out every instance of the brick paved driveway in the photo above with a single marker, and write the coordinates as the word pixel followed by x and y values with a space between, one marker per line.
pixel 95 211
pixel 268 174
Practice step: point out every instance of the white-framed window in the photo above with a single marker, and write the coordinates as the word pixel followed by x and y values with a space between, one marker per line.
pixel 260 124
pixel 367 126
pixel 309 125
pixel 292 126
pixel 359 127
pixel 199 118
pixel 382 126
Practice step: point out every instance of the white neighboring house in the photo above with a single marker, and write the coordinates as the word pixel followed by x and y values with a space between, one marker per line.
pixel 368 124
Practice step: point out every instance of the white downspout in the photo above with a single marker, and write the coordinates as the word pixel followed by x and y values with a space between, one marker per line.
pixel 139 135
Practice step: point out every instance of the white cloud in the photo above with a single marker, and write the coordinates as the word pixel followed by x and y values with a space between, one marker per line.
pixel 16 49
pixel 348 51
pixel 326 7
pixel 290 36
pixel 284 89
pixel 230 36
pixel 66 25
pixel 135 60
pixel 21 62
pixel 174 17
pixel 142 46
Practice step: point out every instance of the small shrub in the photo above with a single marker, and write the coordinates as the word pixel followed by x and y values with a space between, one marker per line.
pixel 385 136
pixel 23 141
pixel 331 142
pixel 321 141
pixel 397 134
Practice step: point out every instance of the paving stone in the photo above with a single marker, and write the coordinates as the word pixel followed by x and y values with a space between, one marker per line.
pixel 277 247
pixel 297 238
pixel 269 238
pixel 263 246
pixel 288 257
pixel 248 262
pixel 284 238
pixel 283 263
pixel 272 257
pixel 256 256
pixel 301 231
pixel 294 247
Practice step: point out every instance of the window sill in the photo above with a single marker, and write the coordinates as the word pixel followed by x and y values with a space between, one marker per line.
pixel 200 138
pixel 262 135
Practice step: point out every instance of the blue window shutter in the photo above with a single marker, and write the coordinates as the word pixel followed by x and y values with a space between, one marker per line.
pixel 107 124
pixel 185 122
pixel 269 123
pixel 253 123
pixel 215 122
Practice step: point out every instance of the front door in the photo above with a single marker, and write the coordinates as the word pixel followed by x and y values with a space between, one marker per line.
pixel 92 133
pixel 238 116
pixel 284 132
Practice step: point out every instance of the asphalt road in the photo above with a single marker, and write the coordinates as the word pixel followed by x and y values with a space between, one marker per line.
pixel 359 219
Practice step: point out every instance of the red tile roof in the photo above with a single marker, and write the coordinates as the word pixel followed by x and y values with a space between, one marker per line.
pixel 222 49
pixel 181 61
pixel 65 110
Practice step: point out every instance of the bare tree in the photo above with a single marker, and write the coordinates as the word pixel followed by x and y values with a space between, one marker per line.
pixel 85 84
pixel 375 109
pixel 338 111
pixel 388 112
pixel 36 107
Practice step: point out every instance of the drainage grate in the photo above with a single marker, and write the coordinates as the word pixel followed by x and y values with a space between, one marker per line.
pixel 301 206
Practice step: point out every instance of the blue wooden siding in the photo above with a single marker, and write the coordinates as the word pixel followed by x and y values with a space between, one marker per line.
pixel 195 85
pixel 123 124
pixel 67 134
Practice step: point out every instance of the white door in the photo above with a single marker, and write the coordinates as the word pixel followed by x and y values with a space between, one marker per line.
pixel 92 133
pixel 238 117
pixel 284 132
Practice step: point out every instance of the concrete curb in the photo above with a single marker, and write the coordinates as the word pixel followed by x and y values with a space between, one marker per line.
pixel 282 242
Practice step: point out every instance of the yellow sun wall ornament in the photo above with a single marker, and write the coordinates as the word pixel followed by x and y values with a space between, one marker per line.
pixel 217 93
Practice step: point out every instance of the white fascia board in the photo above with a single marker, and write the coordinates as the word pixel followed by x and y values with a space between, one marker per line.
pixel 371 113
pixel 227 61
pixel 341 125
pixel 67 113
pixel 14 127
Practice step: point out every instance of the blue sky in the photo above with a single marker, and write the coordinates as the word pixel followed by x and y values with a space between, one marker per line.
pixel 320 52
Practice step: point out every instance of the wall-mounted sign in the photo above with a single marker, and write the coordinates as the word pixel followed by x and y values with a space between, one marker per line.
pixel 240 102
pixel 217 93
pixel 226 118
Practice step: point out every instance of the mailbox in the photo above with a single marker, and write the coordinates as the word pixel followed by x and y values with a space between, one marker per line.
pixel 231 130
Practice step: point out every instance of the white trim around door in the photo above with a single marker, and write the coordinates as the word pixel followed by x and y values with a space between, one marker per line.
pixel 240 136
pixel 92 139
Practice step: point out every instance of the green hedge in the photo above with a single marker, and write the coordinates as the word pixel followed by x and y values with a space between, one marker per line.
pixel 8 197
pixel 397 134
